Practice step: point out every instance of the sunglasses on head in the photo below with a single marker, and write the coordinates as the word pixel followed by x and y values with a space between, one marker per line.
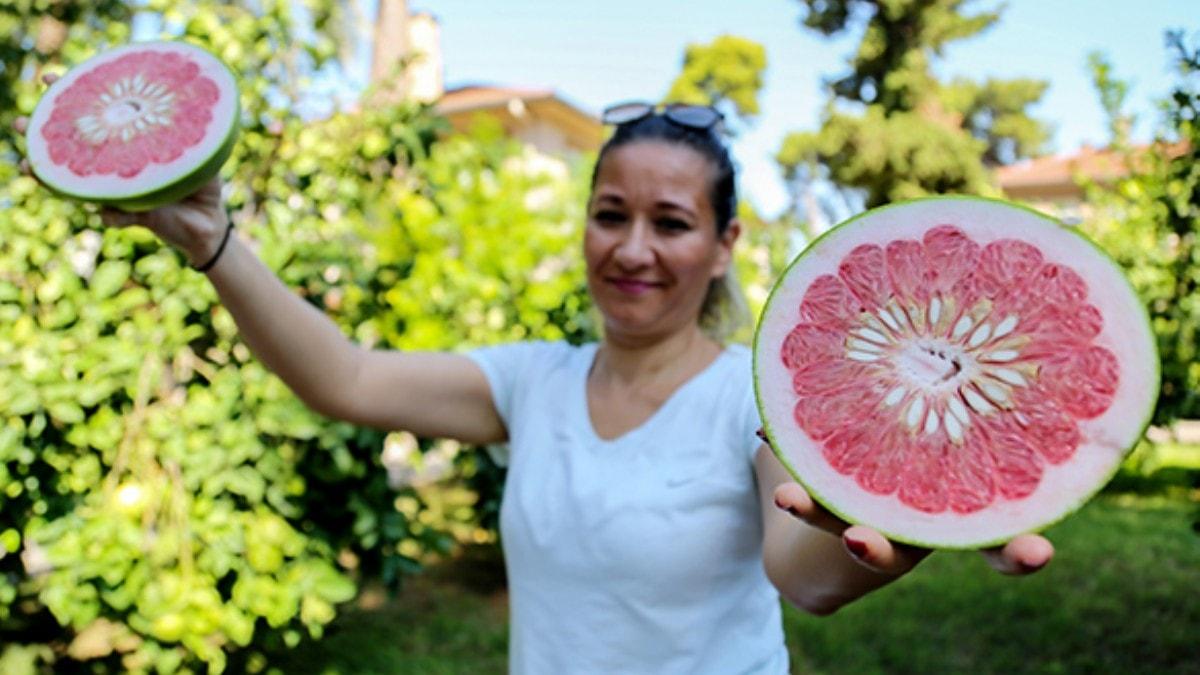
pixel 691 116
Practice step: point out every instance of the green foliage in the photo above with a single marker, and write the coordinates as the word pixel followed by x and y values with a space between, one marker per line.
pixel 994 112
pixel 486 251
pixel 1112 92
pixel 726 73
pixel 760 256
pixel 1150 220
pixel 890 128
pixel 892 65
pixel 898 156
pixel 164 500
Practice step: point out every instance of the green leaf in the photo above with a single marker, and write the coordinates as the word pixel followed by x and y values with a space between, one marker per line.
pixel 66 412
pixel 108 278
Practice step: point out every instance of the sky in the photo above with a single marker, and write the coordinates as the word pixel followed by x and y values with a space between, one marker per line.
pixel 593 53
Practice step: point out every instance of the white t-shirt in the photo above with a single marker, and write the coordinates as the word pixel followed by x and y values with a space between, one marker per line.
pixel 641 554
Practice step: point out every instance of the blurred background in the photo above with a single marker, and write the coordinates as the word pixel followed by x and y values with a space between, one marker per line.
pixel 418 170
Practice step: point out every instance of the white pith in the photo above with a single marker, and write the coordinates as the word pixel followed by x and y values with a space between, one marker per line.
pixel 131 107
pixel 949 369
pixel 988 348
pixel 106 119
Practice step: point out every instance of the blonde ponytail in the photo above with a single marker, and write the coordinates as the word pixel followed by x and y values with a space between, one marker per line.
pixel 724 310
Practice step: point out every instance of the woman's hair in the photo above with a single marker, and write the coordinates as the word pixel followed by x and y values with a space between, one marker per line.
pixel 724 309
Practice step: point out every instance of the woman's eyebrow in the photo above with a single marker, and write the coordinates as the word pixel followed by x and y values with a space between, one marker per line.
pixel 675 206
pixel 609 197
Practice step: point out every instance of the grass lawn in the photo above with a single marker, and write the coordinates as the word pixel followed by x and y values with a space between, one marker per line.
pixel 1122 596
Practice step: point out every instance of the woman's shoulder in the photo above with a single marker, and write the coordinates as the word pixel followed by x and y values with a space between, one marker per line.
pixel 738 360
pixel 535 353
pixel 739 352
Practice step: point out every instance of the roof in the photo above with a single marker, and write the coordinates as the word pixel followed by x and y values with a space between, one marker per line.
pixel 476 97
pixel 518 108
pixel 1058 175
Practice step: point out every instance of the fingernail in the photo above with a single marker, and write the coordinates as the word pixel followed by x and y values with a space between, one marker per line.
pixel 856 547
pixel 787 507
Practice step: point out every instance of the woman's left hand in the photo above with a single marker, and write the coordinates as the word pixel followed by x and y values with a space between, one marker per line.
pixel 1024 554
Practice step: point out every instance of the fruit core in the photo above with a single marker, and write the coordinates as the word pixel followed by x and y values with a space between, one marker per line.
pixel 943 367
pixel 130 107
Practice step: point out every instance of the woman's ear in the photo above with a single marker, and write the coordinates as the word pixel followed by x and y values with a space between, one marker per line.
pixel 725 254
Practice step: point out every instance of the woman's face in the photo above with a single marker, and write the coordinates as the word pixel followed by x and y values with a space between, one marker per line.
pixel 651 243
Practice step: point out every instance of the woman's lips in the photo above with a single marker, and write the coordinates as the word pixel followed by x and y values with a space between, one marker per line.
pixel 632 286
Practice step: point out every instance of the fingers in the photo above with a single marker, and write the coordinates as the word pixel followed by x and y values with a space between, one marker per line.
pixel 877 552
pixel 116 218
pixel 794 499
pixel 1025 554
pixel 208 194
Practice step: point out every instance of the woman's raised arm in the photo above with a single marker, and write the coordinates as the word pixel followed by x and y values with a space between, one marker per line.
pixel 428 394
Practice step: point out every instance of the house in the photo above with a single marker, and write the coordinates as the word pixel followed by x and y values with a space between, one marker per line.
pixel 407 61
pixel 1054 183
pixel 536 116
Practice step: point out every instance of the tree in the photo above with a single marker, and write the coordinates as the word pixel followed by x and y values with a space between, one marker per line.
pixel 1149 222
pixel 890 128
pixel 725 73
pixel 1112 92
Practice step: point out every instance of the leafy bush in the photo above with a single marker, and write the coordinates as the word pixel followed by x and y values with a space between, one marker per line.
pixel 1150 220
pixel 162 496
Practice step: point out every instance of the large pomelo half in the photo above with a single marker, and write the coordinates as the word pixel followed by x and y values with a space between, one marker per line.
pixel 135 127
pixel 954 371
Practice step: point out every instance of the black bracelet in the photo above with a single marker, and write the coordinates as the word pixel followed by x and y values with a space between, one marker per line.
pixel 213 260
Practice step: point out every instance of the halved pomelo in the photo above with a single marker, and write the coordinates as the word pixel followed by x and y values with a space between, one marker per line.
pixel 954 371
pixel 135 127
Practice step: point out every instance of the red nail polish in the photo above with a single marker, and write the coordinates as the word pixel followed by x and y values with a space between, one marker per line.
pixel 790 509
pixel 858 548
pixel 1027 568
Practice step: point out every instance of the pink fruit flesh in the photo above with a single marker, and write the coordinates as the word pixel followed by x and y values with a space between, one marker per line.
pixel 948 373
pixel 147 107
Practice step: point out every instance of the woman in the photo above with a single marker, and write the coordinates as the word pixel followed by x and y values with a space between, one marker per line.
pixel 645 528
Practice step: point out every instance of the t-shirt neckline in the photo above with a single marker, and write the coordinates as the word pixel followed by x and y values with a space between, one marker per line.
pixel 588 357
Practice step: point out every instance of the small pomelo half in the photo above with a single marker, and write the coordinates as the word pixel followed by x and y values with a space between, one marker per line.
pixel 136 126
pixel 953 371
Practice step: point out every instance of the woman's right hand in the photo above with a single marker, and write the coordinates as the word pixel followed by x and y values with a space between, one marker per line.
pixel 195 224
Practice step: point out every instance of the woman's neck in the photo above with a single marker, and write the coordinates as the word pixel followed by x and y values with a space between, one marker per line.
pixel 630 361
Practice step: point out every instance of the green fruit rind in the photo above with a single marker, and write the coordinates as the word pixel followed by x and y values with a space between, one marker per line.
pixel 159 195
pixel 776 441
